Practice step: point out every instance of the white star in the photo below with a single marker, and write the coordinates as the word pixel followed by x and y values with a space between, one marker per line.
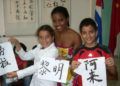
pixel 90 54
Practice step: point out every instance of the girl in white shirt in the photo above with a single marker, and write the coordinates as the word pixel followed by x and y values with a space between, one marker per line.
pixel 46 49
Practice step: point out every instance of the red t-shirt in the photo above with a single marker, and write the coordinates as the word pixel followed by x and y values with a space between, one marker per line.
pixel 21 64
pixel 85 52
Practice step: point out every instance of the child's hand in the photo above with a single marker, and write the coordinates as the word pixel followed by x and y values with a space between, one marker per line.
pixel 13 40
pixel 74 64
pixel 111 69
pixel 12 74
pixel 109 62
pixel 60 58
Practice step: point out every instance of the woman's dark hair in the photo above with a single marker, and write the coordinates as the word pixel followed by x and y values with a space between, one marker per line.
pixel 34 46
pixel 22 45
pixel 61 10
pixel 46 28
pixel 87 22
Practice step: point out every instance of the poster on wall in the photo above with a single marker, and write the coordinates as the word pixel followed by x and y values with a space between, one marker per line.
pixel 21 10
pixel 48 5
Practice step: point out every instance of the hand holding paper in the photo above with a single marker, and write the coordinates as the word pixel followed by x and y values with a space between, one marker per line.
pixel 75 64
pixel 7 58
pixel 15 42
pixel 12 74
pixel 109 62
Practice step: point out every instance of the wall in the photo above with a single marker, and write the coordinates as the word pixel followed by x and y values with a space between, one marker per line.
pixel 29 41
pixel 1 18
pixel 80 9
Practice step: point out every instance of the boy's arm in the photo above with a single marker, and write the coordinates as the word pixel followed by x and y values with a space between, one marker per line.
pixel 111 69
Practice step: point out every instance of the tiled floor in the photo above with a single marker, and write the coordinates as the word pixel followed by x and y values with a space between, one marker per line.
pixel 116 83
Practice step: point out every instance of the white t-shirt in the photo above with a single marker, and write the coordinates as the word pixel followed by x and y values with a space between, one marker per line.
pixel 37 54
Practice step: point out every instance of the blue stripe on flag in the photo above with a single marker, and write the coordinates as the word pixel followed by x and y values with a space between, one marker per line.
pixel 99 22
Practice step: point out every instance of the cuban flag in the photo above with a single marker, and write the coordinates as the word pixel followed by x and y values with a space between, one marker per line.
pixel 98 18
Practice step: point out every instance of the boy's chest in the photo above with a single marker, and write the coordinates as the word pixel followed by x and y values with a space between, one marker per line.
pixel 90 54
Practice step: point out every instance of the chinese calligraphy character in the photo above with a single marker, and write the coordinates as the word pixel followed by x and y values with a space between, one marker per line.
pixel 31 1
pixel 93 77
pixel 1 51
pixel 58 69
pixel 63 1
pixel 92 63
pixel 44 68
pixel 17 10
pixel 55 3
pixel 3 62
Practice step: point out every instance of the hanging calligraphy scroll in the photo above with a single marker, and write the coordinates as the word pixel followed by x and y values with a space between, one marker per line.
pixel 21 10
pixel 48 5
pixel 21 17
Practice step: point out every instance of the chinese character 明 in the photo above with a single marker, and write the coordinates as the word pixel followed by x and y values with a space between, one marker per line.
pixel 3 62
pixel 91 63
pixel 58 69
pixel 1 51
pixel 93 77
pixel 44 68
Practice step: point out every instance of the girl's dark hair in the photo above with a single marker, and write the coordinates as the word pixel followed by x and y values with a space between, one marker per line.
pixel 22 45
pixel 87 22
pixel 61 10
pixel 46 28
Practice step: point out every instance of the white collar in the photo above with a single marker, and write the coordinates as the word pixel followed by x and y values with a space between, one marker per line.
pixel 49 47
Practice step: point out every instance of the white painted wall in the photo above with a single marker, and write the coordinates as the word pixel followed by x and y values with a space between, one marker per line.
pixel 79 10
pixel 1 18
pixel 29 41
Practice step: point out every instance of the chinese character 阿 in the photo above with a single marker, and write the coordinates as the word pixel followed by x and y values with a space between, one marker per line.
pixel 44 68
pixel 3 62
pixel 58 69
pixel 92 63
pixel 93 77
